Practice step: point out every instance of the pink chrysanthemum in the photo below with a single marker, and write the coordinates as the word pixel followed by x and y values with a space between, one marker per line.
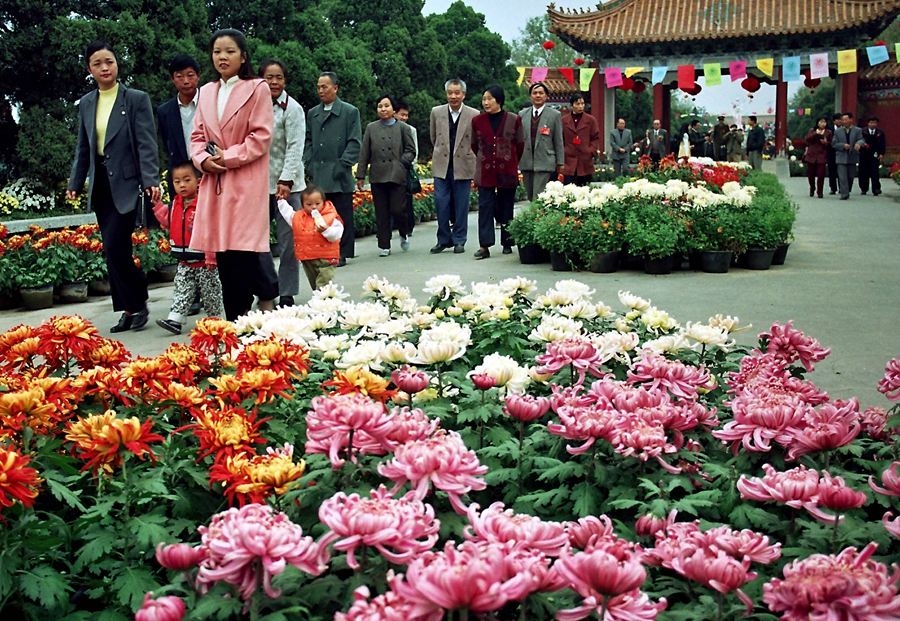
pixel 386 607
pixel 399 528
pixel 831 426
pixel 679 379
pixel 791 345
pixel 333 420
pixel 889 385
pixel 577 352
pixel 890 478
pixel 718 570
pixel 588 531
pixel 497 525
pixel 525 407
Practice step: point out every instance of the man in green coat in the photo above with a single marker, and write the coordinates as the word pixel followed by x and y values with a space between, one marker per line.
pixel 333 139
pixel 719 137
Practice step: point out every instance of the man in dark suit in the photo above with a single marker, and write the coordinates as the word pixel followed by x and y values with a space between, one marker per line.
pixel 176 117
pixel 832 164
pixel 756 142
pixel 847 142
pixel 331 149
pixel 544 157
pixel 656 144
pixel 620 145
pixel 870 157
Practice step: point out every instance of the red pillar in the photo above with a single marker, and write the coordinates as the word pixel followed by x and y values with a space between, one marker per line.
pixel 781 103
pixel 598 84
pixel 659 93
pixel 665 118
pixel 849 92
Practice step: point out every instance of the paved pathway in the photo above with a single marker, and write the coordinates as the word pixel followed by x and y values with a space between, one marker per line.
pixel 841 285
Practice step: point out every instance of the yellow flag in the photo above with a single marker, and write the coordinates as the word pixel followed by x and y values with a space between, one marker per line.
pixel 809 111
pixel 630 71
pixel 521 71
pixel 766 65
pixel 585 75
pixel 846 61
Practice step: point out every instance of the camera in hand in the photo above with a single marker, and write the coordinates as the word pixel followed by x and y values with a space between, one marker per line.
pixel 211 148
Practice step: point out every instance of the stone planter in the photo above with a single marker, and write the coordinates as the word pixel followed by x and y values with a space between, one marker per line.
pixel 36 298
pixel 166 273
pixel 73 292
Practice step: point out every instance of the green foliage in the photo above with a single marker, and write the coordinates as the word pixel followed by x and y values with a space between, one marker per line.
pixel 528 51
pixel 652 231
pixel 820 100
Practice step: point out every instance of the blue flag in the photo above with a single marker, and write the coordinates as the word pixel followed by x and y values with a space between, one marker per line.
pixel 877 54
pixel 659 74
pixel 790 69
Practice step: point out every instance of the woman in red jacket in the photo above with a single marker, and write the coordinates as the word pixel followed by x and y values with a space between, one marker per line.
pixel 816 157
pixel 581 137
pixel 498 142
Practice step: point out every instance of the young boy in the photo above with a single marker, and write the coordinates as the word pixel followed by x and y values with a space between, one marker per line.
pixel 196 270
pixel 317 235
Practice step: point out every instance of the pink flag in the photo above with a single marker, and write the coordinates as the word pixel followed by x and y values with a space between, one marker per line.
pixel 818 65
pixel 538 74
pixel 613 76
pixel 737 69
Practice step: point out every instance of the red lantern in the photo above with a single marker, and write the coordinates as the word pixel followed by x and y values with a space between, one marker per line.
pixel 750 84
pixel 694 90
pixel 579 61
pixel 627 84
pixel 639 87
pixel 811 83
pixel 549 45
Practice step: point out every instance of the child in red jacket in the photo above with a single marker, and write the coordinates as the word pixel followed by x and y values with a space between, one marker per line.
pixel 196 270
pixel 317 235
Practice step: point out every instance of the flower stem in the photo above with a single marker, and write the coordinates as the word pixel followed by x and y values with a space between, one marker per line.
pixel 126 511
pixel 603 608
pixel 834 534
pixel 523 609
pixel 254 599
pixel 721 605
pixel 521 442
pixel 463 614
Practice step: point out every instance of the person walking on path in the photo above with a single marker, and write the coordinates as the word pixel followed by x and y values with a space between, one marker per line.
pixel 581 137
pixel 498 141
pixel 832 164
pixel 118 155
pixel 818 145
pixel 719 135
pixel 544 157
pixel 870 157
pixel 453 166
pixel 846 142
pixel 331 149
pixel 756 142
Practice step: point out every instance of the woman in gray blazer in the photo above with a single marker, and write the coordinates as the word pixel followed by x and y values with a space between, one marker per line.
pixel 118 155
pixel 388 147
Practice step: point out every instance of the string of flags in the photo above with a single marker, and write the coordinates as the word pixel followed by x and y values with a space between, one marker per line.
pixel 617 77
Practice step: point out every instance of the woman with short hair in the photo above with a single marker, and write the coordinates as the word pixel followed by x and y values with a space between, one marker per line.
pixel 581 137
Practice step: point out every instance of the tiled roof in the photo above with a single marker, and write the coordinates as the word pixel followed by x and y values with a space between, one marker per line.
pixel 648 21
pixel 882 72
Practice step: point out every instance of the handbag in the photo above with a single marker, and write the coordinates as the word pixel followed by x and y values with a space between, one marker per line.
pixel 413 185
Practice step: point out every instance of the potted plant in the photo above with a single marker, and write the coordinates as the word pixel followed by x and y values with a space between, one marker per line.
pixel 32 270
pixel 652 233
pixel 719 234
pixel 604 236
pixel 560 234
pixel 762 233
pixel 522 228
pixel 152 250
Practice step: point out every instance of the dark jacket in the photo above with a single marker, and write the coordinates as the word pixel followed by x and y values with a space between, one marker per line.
pixel 498 153
pixel 818 147
pixel 168 117
pixel 389 150
pixel 756 139
pixel 332 146
pixel 581 144
pixel 875 145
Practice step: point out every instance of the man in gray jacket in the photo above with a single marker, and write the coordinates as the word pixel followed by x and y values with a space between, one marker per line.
pixel 846 142
pixel 333 138
pixel 620 144
pixel 544 157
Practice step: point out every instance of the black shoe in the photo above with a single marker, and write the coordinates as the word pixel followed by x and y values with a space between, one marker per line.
pixel 507 250
pixel 167 324
pixel 286 300
pixel 124 324
pixel 440 248
pixel 140 319
pixel 843 198
pixel 876 193
pixel 342 262
pixel 833 192
pixel 811 193
pixel 482 253
pixel 863 193
pixel 459 248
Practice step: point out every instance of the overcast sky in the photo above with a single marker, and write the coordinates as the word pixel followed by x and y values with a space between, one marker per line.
pixel 508 23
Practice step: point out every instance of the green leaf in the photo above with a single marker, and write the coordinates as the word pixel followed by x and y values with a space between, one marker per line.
pixel 61 490
pixel 652 488
pixel 562 472
pixel 132 584
pixel 148 530
pixel 587 500
pixel 44 585
pixel 112 615
pixel 501 475
pixel 96 547
pixel 625 503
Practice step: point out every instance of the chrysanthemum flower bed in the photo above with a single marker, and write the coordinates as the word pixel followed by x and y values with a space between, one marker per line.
pixel 490 453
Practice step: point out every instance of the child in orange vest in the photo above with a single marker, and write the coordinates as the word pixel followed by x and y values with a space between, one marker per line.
pixel 317 235
pixel 196 270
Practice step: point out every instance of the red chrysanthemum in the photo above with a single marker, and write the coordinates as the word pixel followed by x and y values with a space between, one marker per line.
pixel 18 482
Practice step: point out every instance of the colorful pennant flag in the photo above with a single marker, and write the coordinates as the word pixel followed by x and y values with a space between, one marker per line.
pixel 538 74
pixel 808 110
pixel 613 77
pixel 737 69
pixel 568 74
pixel 846 61
pixel 686 79
pixel 818 65
pixel 766 65
pixel 897 51
pixel 585 76
pixel 877 54
pixel 659 73
pixel 712 72
pixel 790 69
pixel 521 71
pixel 630 71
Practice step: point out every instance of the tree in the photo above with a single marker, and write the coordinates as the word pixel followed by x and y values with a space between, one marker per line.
pixel 820 101
pixel 528 51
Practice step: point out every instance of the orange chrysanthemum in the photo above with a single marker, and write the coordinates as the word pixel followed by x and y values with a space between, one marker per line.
pixel 105 353
pixel 63 338
pixel 226 431
pixel 102 439
pixel 252 478
pixel 263 385
pixel 280 355
pixel 189 363
pixel 18 346
pixel 18 482
pixel 214 336
pixel 227 387
pixel 146 377
pixel 105 384
pixel 188 398
pixel 59 392
pixel 11 381
pixel 359 380
pixel 27 407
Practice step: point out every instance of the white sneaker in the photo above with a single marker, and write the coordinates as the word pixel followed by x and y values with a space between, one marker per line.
pixel 385 253
pixel 404 244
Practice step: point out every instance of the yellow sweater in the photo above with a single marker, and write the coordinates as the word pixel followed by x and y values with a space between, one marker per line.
pixel 105 102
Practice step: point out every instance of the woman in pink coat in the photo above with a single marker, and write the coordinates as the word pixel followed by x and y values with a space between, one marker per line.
pixel 230 143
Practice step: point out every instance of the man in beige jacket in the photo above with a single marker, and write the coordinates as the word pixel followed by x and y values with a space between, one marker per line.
pixel 453 167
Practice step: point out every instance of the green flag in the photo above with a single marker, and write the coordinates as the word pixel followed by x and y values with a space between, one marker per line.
pixel 713 74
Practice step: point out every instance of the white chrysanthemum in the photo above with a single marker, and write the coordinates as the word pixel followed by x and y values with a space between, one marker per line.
pixel 422 320
pixel 394 293
pixel 602 310
pixel 407 306
pixel 364 354
pixel 373 284
pixel 622 325
pixel 730 187
pixel 250 323
pixel 633 301
pixel 615 344
pixel 540 378
pixel 517 285
pixel 448 331
pixel 322 321
pixel 329 305
pixel 294 329
pixel 555 328
pixel 398 352
pixel 574 287
pixel 669 344
pixel 330 290
pixel 505 371
pixel 729 323
pixel 330 342
pixel 394 328
pixel 365 315
pixel 580 205
pixel 581 309
pixel 444 285
pixel 708 335
pixel 658 320
pixel 434 352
